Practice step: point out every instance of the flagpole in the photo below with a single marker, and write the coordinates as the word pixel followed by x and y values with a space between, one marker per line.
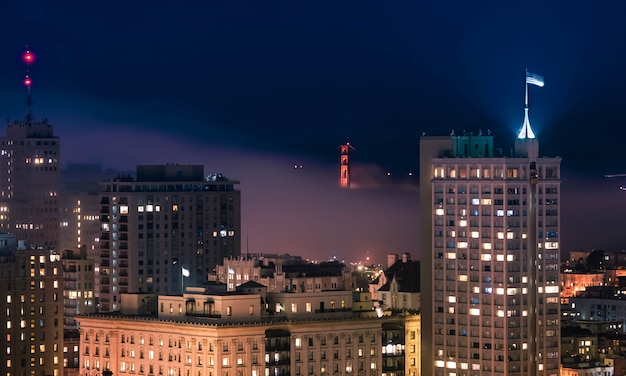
pixel 526 85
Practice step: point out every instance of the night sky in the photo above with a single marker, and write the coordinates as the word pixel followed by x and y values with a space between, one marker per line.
pixel 252 88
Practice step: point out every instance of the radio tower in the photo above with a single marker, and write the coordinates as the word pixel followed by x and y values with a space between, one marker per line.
pixel 344 165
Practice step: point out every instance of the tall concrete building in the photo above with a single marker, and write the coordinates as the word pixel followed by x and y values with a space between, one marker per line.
pixel 32 306
pixel 165 230
pixel 30 181
pixel 486 219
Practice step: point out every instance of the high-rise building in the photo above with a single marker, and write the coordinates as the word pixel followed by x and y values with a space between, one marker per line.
pixel 29 182
pixel 486 220
pixel 165 230
pixel 33 294
pixel 30 177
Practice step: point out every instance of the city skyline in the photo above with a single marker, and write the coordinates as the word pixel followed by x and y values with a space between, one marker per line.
pixel 251 89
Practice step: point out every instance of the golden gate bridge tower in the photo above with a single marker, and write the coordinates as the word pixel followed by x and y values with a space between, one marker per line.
pixel 344 165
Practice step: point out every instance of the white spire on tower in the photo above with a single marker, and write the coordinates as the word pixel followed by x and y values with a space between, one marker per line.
pixel 526 132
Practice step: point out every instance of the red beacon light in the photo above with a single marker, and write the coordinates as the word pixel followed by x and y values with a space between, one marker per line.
pixel 27 81
pixel 28 57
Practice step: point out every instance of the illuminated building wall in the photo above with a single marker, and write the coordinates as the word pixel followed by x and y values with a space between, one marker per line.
pixel 284 274
pixel 573 283
pixel 475 225
pixel 80 223
pixel 29 182
pixel 171 217
pixel 32 306
pixel 78 292
pixel 188 341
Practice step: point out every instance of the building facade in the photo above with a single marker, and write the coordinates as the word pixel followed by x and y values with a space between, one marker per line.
pixel 80 223
pixel 190 338
pixel 30 181
pixel 164 230
pixel 485 219
pixel 33 305
pixel 78 289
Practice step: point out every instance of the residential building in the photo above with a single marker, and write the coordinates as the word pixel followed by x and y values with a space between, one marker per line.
pixel 284 273
pixel 599 303
pixel 398 287
pixel 573 283
pixel 165 230
pixel 591 369
pixel 79 283
pixel 203 334
pixel 80 223
pixel 33 303
pixel 486 219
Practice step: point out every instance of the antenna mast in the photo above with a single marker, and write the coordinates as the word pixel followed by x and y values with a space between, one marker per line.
pixel 28 58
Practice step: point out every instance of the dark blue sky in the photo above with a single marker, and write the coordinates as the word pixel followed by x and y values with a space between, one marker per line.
pixel 291 80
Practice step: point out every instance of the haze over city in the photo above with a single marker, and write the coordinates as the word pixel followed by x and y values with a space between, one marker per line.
pixel 250 89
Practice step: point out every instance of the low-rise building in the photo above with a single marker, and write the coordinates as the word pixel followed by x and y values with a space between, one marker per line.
pixel 200 334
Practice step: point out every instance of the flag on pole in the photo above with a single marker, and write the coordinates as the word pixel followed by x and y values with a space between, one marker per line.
pixel 534 79
pixel 185 272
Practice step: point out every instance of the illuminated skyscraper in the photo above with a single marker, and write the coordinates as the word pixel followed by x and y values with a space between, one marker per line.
pixel 30 178
pixel 485 220
pixel 165 230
